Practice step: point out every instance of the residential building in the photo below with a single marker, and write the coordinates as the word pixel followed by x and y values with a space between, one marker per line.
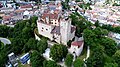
pixel 12 59
pixel 2 14
pixel 76 47
pixel 4 9
pixel 26 7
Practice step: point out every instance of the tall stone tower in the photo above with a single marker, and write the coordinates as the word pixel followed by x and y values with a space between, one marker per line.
pixel 65 30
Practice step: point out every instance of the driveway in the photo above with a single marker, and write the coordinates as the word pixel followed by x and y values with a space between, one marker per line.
pixel 5 41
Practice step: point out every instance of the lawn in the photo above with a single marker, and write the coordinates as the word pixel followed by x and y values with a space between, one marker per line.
pixel 25 65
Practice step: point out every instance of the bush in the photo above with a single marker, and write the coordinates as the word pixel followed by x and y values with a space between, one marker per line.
pixel 69 60
pixel 58 52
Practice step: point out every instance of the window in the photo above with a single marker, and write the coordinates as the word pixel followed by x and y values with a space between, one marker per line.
pixel 55 23
pixel 42 28
pixel 46 29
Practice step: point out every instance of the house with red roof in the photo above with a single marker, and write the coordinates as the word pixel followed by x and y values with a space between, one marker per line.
pixel 76 47
pixel 26 7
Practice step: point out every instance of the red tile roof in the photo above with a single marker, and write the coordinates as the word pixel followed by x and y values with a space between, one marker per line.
pixel 6 17
pixel 57 11
pixel 26 6
pixel 19 11
pixel 77 43
pixel 51 16
pixel 115 25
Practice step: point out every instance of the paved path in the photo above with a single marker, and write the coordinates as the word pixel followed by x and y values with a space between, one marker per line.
pixel 88 54
pixel 5 41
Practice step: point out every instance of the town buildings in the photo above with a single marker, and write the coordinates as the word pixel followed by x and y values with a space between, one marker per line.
pixel 12 13
pixel 108 15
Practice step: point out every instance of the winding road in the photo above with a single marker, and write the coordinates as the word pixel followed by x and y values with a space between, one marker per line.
pixel 5 41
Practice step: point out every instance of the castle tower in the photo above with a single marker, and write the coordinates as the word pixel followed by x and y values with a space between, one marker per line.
pixel 65 28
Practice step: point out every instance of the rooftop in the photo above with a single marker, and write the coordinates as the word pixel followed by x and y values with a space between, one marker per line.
pixel 26 6
pixel 51 16
pixel 56 30
pixel 78 43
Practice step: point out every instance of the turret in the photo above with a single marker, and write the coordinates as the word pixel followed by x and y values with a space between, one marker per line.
pixel 65 28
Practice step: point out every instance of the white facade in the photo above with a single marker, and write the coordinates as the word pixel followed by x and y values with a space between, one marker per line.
pixel 6 9
pixel 55 24
pixel 65 30
pixel 76 48
pixel 61 31
pixel 25 8
pixel 45 30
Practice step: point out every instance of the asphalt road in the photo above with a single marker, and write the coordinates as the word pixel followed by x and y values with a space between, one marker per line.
pixel 5 41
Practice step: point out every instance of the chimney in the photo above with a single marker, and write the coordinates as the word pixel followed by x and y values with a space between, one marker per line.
pixel 47 20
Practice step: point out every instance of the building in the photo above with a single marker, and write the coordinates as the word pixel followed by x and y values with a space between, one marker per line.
pixel 10 9
pixel 12 59
pixel 2 14
pixel 56 26
pixel 117 1
pixel 26 7
pixel 25 58
pixel 76 47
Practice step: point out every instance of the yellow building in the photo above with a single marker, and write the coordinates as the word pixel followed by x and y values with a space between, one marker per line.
pixel 2 14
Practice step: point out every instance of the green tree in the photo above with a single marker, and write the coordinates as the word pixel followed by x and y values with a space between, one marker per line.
pixel 4 31
pixel 97 23
pixel 77 0
pixel 30 45
pixel 69 60
pixel 111 65
pixel 3 56
pixel 116 57
pixel 36 59
pixel 66 1
pixel 78 63
pixel 42 45
pixel 17 45
pixel 50 64
pixel 80 22
pixel 69 43
pixel 27 32
pixel 33 21
pixel 97 57
pixel 110 46
pixel 65 5
pixel 100 32
pixel 1 45
pixel 89 37
pixel 58 52
pixel 2 59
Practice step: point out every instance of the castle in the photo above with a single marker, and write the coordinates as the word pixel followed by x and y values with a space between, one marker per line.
pixel 56 25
